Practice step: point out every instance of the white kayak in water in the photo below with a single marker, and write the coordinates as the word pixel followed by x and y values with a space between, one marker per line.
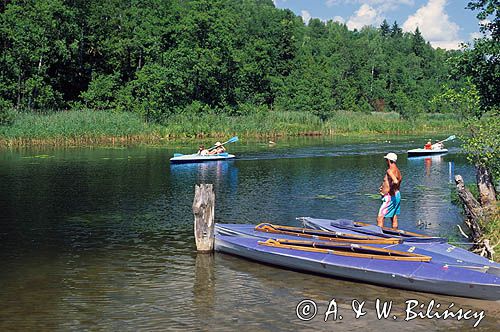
pixel 425 152
pixel 196 158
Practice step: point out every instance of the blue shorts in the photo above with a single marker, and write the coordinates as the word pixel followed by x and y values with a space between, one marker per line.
pixel 391 205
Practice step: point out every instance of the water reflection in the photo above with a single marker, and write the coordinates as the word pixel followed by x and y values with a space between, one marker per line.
pixel 222 172
pixel 204 285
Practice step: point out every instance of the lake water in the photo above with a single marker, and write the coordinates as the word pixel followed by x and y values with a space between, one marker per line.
pixel 102 238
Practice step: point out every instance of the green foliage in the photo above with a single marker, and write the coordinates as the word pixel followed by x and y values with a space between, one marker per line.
pixel 7 115
pixel 483 145
pixel 465 101
pixel 102 91
pixel 481 61
pixel 161 58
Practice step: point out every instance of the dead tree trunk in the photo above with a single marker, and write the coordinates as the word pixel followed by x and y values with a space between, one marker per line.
pixel 474 213
pixel 203 210
pixel 487 194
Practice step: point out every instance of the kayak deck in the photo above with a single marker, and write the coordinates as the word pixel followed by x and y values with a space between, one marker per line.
pixel 432 244
pixel 323 235
pixel 352 250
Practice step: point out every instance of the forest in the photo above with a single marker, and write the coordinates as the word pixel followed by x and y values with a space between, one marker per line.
pixel 159 59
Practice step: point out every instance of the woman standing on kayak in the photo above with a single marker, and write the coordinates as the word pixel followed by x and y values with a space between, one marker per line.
pixel 391 197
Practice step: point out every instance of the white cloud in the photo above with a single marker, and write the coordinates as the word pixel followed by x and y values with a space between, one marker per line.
pixel 339 19
pixel 380 5
pixel 447 45
pixel 306 16
pixel 435 25
pixel 475 35
pixel 365 15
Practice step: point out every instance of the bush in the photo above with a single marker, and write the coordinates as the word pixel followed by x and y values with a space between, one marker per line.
pixel 101 93
pixel 7 114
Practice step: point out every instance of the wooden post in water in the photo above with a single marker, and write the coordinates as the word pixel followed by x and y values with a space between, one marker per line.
pixel 203 210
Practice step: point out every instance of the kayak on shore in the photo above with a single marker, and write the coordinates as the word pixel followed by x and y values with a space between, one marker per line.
pixel 432 249
pixel 431 244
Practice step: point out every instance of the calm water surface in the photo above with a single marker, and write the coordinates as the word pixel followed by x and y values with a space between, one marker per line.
pixel 102 238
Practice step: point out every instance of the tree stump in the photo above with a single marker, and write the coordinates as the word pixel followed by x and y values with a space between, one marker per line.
pixel 487 194
pixel 203 210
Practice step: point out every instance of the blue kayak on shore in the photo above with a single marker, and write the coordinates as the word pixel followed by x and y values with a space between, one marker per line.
pixel 364 263
pixel 432 249
pixel 196 158
pixel 439 245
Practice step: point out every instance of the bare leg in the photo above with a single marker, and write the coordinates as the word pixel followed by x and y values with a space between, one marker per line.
pixel 395 221
pixel 380 221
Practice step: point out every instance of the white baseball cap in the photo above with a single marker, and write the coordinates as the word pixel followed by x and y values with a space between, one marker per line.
pixel 391 156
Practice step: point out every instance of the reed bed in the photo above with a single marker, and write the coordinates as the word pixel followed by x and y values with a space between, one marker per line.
pixel 105 127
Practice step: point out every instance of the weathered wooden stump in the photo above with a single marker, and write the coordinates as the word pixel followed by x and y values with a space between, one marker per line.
pixel 203 210
pixel 487 193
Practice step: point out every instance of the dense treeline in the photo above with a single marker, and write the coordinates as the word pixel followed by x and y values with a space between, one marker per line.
pixel 158 58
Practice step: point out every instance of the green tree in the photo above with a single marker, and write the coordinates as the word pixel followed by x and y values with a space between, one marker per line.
pixel 385 29
pixel 481 61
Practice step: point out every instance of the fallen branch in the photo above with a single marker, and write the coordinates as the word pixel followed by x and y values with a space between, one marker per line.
pixel 472 209
pixel 462 232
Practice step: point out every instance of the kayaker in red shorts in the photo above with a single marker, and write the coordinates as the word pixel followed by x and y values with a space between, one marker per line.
pixel 428 146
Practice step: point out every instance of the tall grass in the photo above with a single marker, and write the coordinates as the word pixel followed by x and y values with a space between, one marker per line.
pixel 74 127
pixel 259 124
pixel 348 122
pixel 93 127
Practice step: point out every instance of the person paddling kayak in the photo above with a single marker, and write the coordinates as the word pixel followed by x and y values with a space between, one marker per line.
pixel 391 197
pixel 437 146
pixel 202 151
pixel 428 146
pixel 219 148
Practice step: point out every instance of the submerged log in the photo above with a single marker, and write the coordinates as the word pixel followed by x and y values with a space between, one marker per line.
pixel 203 210
pixel 487 194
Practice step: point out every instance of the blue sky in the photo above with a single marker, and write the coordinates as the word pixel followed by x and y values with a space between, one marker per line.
pixel 445 23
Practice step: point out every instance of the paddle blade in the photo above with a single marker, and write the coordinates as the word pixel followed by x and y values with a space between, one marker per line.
pixel 178 155
pixel 233 139
pixel 452 137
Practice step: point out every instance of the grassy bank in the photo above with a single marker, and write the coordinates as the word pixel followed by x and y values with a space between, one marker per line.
pixel 90 127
